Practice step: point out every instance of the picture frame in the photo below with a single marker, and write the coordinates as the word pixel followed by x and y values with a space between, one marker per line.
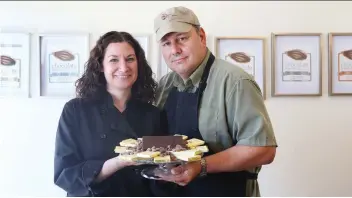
pixel 246 52
pixel 163 68
pixel 144 41
pixel 296 64
pixel 62 59
pixel 340 64
pixel 15 59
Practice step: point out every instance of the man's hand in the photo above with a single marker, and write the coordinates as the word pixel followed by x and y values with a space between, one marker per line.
pixel 236 158
pixel 183 174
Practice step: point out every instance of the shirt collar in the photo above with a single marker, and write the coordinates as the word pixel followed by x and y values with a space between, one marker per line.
pixel 195 77
pixel 109 101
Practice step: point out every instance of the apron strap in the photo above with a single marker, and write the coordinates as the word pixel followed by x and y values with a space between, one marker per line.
pixel 203 81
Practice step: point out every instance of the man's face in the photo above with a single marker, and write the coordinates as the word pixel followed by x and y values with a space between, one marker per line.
pixel 183 52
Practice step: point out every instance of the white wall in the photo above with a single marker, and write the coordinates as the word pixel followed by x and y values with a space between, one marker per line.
pixel 313 157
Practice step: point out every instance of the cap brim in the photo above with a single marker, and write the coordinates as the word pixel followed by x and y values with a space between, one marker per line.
pixel 172 27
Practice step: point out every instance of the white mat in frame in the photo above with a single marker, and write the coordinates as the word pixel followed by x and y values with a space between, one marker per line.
pixel 15 63
pixel 62 57
pixel 245 52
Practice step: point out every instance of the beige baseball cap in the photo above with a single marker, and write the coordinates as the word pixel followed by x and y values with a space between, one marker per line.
pixel 176 19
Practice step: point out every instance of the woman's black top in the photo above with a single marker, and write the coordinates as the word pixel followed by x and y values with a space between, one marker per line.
pixel 87 134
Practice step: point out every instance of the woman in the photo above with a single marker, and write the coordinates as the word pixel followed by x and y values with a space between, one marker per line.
pixel 114 103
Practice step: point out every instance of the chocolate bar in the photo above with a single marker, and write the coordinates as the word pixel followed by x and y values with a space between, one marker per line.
pixel 162 141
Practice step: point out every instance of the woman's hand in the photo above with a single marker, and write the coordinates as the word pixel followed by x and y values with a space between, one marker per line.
pixel 111 166
pixel 123 163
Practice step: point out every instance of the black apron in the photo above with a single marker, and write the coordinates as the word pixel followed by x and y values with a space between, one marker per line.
pixel 181 109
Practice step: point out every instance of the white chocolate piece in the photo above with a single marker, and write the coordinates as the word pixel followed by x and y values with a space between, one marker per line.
pixel 194 142
pixel 184 137
pixel 148 154
pixel 191 152
pixel 203 149
pixel 129 143
pixel 121 149
pixel 163 159
pixel 189 158
pixel 128 157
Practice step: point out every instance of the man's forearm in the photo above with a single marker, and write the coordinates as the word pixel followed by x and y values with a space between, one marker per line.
pixel 240 158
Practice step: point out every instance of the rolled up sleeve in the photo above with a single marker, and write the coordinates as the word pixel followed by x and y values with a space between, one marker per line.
pixel 71 172
pixel 251 124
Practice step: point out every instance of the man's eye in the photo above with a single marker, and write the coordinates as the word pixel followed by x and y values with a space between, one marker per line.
pixel 114 60
pixel 166 44
pixel 183 38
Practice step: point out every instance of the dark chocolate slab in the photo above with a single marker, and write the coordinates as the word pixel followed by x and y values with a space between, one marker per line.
pixel 162 141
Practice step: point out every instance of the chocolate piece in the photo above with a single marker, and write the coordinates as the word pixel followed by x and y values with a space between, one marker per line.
pixel 154 142
pixel 162 159
pixel 179 148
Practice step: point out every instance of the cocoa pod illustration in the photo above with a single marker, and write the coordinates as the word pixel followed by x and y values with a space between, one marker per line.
pixel 297 54
pixel 7 60
pixel 347 54
pixel 240 57
pixel 64 55
pixel 345 73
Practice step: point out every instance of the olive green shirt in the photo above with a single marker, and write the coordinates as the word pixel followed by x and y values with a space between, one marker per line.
pixel 232 110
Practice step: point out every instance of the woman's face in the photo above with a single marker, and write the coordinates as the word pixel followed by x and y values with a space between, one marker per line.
pixel 120 66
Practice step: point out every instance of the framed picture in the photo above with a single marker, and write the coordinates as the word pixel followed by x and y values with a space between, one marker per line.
pixel 340 64
pixel 246 52
pixel 62 60
pixel 296 64
pixel 14 64
pixel 163 68
pixel 144 41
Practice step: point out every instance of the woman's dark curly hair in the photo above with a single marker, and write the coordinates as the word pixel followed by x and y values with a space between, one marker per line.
pixel 92 84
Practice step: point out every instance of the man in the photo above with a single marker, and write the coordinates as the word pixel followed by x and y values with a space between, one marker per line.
pixel 212 100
